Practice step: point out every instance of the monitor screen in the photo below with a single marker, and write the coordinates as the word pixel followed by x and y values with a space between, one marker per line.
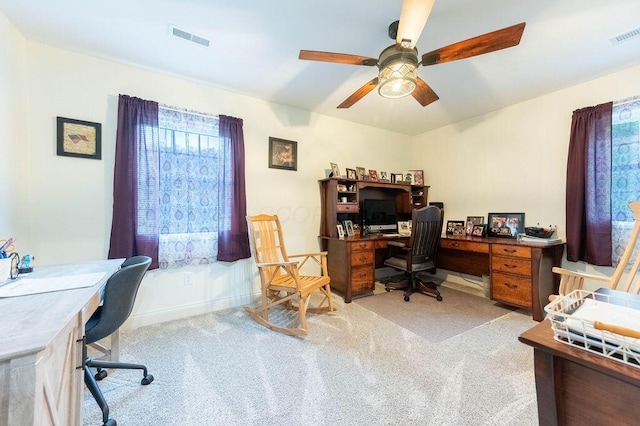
pixel 379 215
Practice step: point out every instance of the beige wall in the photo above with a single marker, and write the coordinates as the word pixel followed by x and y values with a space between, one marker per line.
pixel 514 159
pixel 68 217
pixel 509 160
pixel 12 129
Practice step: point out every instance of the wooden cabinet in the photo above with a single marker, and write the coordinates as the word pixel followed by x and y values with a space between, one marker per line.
pixel 340 200
pixel 351 264
pixel 520 273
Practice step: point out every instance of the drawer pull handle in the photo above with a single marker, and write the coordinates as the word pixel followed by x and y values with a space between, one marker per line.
pixel 511 286
pixel 455 245
pixel 510 250
pixel 506 265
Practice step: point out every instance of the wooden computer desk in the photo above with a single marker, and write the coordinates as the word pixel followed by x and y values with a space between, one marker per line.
pixel 520 273
pixel 41 348
pixel 576 387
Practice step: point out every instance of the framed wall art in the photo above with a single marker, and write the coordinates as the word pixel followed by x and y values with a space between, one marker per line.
pixel 360 173
pixel 351 174
pixel 77 138
pixel 505 224
pixel 283 154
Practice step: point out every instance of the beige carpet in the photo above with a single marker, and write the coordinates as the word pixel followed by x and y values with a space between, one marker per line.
pixel 435 321
pixel 354 368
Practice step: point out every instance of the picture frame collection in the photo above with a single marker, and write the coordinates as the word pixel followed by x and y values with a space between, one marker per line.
pixel 507 225
pixel 408 177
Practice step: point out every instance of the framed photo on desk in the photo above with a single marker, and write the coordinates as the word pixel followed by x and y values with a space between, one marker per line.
pixel 505 224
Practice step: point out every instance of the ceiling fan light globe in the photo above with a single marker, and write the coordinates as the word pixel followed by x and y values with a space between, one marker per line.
pixel 397 79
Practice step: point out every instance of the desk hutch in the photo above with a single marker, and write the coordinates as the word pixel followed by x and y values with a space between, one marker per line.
pixel 520 273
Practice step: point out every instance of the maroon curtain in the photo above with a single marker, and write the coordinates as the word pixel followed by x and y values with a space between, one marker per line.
pixel 135 175
pixel 588 195
pixel 233 238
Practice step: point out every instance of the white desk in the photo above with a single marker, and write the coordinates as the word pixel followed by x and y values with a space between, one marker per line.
pixel 41 348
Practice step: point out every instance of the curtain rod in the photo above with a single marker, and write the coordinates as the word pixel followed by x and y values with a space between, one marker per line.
pixel 203 114
pixel 627 100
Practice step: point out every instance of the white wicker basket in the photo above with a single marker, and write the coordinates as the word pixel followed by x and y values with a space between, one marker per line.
pixel 577 319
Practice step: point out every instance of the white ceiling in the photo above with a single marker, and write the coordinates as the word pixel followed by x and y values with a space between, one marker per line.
pixel 255 45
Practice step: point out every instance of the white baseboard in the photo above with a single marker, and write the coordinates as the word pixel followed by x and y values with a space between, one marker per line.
pixel 185 311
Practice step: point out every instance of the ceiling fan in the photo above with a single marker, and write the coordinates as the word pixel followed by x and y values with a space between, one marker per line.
pixel 398 63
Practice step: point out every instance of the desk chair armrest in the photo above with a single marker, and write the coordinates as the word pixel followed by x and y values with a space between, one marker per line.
pixel 397 244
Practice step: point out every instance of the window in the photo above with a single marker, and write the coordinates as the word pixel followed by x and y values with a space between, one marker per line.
pixel 182 182
pixel 625 171
pixel 188 157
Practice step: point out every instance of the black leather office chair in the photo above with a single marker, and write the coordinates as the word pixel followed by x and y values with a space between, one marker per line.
pixel 119 296
pixel 418 254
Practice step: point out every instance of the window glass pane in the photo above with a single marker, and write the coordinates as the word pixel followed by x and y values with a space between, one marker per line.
pixel 188 188
pixel 625 171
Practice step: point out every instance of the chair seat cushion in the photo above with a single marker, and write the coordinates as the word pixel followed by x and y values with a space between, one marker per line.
pixel 401 263
pixel 396 262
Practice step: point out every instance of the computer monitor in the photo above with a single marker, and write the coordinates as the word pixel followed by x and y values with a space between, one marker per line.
pixel 379 215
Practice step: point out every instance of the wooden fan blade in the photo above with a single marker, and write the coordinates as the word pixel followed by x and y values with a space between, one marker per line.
pixel 341 58
pixel 423 93
pixel 359 94
pixel 413 16
pixel 486 43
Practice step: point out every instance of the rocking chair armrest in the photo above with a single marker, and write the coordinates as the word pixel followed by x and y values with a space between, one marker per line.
pixel 322 253
pixel 267 264
pixel 577 274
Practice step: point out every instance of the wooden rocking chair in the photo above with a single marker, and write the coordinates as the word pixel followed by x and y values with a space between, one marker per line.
pixel 572 280
pixel 282 284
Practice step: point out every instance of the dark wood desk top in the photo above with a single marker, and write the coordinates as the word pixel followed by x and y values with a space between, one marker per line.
pixel 540 337
pixel 497 240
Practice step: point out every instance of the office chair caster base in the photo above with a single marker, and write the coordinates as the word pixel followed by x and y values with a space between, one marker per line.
pixel 439 298
pixel 147 379
pixel 100 374
pixel 406 298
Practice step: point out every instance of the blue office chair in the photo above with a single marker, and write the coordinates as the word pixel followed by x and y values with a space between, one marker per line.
pixel 119 296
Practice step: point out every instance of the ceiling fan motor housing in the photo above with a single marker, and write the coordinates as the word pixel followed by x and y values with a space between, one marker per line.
pixel 398 71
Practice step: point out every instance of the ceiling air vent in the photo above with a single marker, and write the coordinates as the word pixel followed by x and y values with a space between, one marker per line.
pixel 625 36
pixel 189 36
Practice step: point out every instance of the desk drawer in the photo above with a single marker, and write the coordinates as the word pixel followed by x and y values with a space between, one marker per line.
pixel 511 289
pixel 472 246
pixel 513 265
pixel 347 207
pixel 362 245
pixel 362 258
pixel 511 250
pixel 362 279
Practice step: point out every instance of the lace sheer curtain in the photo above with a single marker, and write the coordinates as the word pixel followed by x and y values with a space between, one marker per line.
pixel 625 171
pixel 189 161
